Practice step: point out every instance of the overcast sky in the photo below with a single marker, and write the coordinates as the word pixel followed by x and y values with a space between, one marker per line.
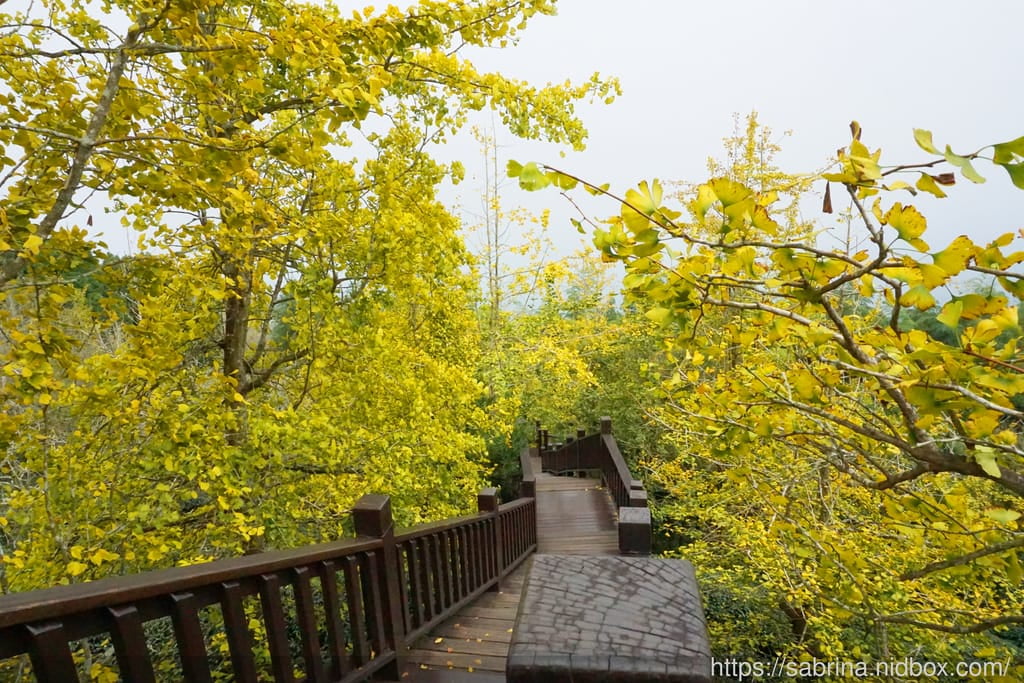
pixel 809 67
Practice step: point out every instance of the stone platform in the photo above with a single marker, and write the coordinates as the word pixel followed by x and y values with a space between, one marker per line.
pixel 608 618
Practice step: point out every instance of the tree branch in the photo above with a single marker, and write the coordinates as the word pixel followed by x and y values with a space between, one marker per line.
pixel 963 559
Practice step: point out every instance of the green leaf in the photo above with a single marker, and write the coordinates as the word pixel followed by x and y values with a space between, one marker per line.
pixel 926 183
pixel 864 162
pixel 956 256
pixel 919 297
pixel 845 178
pixel 901 185
pixel 986 459
pixel 951 312
pixel 562 181
pixel 646 198
pixel 76 568
pixel 907 221
pixel 729 192
pixel 705 199
pixel 514 168
pixel 965 166
pixel 1006 152
pixel 600 189
pixel 1016 172
pixel 924 140
pixel 658 315
pixel 1003 515
pixel 532 178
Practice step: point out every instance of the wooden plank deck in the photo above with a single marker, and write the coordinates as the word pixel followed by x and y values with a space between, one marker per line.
pixel 473 641
pixel 575 516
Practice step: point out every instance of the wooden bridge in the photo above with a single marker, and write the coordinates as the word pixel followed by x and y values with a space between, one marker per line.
pixel 435 602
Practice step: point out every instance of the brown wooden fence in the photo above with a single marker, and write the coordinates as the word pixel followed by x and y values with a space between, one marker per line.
pixel 338 611
pixel 582 455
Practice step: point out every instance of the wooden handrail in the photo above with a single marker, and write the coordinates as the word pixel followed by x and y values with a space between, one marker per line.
pixel 60 601
pixel 374 595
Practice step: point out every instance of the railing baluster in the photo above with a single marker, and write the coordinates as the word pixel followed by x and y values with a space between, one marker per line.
pixel 462 541
pixel 130 645
pixel 188 632
pixel 426 570
pixel 236 626
pixel 487 546
pixel 438 570
pixel 509 539
pixel 335 629
pixel 415 587
pixel 477 553
pixel 51 654
pixel 370 571
pixel 446 574
pixel 401 557
pixel 517 530
pixel 277 634
pixel 460 577
pixel 305 613
pixel 356 615
pixel 473 548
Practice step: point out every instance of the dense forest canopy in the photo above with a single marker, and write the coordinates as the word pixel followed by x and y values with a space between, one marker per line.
pixel 832 434
pixel 297 327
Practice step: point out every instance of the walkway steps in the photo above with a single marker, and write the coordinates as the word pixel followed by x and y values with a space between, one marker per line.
pixel 575 516
pixel 474 641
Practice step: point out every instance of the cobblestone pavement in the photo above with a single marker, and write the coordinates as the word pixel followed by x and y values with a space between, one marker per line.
pixel 607 618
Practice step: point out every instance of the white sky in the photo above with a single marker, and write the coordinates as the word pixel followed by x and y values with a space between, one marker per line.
pixel 809 67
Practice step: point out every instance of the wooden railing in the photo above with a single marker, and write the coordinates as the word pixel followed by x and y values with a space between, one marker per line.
pixel 338 611
pixel 582 455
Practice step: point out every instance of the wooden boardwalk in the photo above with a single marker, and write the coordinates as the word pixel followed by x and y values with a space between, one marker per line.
pixel 575 516
pixel 473 641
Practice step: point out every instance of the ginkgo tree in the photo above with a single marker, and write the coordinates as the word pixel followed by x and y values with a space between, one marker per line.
pixel 295 330
pixel 865 473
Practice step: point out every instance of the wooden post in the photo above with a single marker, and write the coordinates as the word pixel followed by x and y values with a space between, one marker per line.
pixel 634 531
pixel 536 423
pixel 487 504
pixel 637 494
pixel 606 425
pixel 527 487
pixel 372 517
pixel 580 433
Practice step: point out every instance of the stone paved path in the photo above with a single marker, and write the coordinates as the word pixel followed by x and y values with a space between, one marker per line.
pixel 593 619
